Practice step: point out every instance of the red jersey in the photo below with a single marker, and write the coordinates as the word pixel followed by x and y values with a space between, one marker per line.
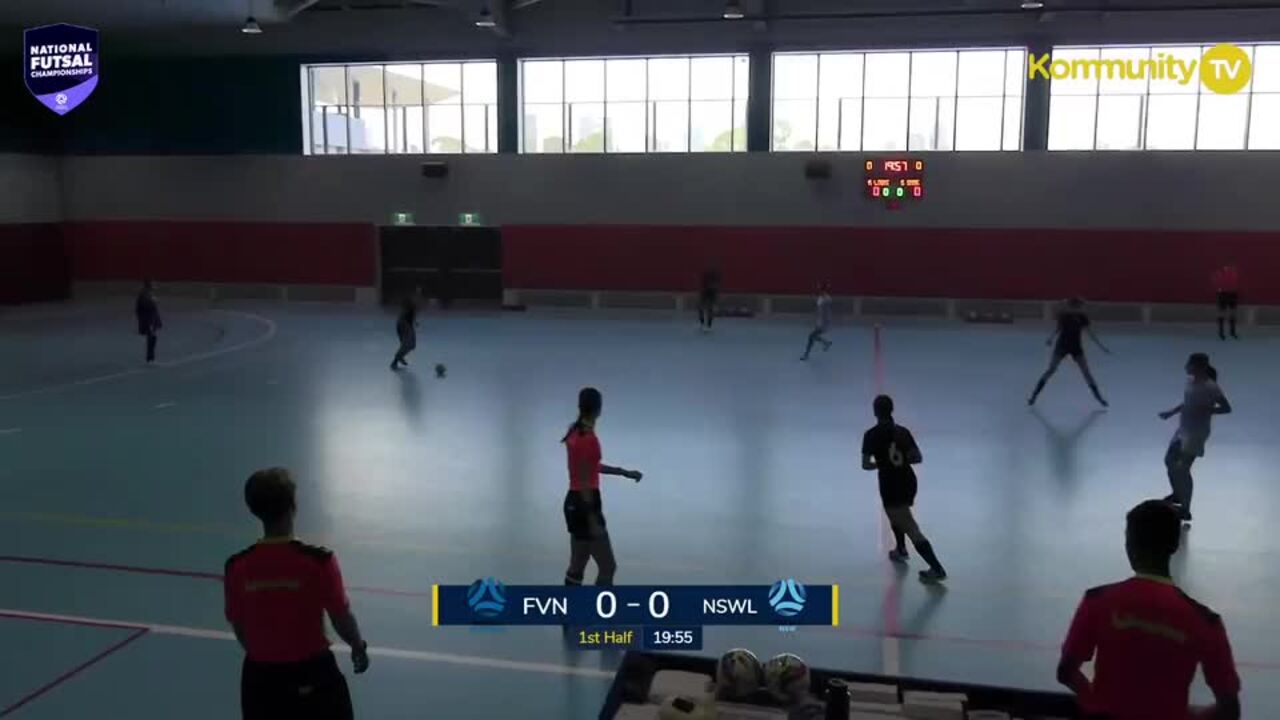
pixel 1149 637
pixel 584 460
pixel 1226 279
pixel 277 592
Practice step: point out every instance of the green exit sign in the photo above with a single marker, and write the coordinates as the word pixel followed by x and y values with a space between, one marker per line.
pixel 402 218
pixel 470 219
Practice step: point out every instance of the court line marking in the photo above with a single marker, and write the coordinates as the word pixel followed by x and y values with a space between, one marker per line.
pixel 164 405
pixel 165 365
pixel 398 653
pixel 69 674
pixel 172 572
pixel 10 431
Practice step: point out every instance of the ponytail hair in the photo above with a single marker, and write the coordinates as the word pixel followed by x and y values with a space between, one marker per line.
pixel 1200 361
pixel 589 403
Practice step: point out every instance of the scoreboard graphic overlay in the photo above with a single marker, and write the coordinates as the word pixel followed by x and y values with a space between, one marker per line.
pixel 894 180
pixel 654 617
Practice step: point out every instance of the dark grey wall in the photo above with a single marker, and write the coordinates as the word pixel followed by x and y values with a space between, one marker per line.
pixel 1020 190
pixel 29 191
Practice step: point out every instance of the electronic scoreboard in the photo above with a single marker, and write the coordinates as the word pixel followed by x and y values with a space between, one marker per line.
pixel 635 617
pixel 894 180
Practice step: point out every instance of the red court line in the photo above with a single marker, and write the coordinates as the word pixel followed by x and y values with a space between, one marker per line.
pixel 64 677
pixel 170 572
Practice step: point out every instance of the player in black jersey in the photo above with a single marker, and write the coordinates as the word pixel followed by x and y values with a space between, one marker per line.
pixel 889 448
pixel 1073 323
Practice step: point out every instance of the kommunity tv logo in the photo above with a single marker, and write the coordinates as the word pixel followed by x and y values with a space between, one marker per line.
pixel 1223 69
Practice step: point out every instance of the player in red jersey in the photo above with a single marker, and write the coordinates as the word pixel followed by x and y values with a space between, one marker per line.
pixel 277 594
pixel 1148 636
pixel 583 508
pixel 1226 280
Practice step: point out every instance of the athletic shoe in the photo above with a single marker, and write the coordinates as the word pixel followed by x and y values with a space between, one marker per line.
pixel 898 556
pixel 932 577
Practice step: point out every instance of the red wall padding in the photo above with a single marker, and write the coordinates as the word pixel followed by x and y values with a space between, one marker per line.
pixel 1114 265
pixel 33 263
pixel 243 252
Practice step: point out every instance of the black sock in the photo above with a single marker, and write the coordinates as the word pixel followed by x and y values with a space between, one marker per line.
pixel 1039 386
pixel 1222 333
pixel 572 580
pixel 900 538
pixel 1233 326
pixel 1097 394
pixel 926 551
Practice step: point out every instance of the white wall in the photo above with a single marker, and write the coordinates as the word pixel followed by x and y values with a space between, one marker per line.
pixel 29 191
pixel 1021 190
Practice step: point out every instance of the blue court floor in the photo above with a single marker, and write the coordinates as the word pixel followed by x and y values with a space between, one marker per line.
pixel 120 492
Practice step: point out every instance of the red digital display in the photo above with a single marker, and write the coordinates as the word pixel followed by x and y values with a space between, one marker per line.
pixel 894 179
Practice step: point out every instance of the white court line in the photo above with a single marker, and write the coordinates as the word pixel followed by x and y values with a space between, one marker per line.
pixel 265 337
pixel 415 655
pixel 10 431
pixel 164 405
pixel 890 656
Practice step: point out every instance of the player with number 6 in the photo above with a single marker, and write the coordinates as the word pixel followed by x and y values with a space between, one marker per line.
pixel 890 449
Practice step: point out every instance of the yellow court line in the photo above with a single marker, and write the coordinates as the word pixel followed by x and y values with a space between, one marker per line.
pixel 835 606
pixel 435 605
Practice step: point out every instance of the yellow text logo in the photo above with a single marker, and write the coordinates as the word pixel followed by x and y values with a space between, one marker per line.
pixel 1223 69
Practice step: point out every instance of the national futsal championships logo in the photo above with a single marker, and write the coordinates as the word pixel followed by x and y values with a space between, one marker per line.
pixel 787 597
pixel 61 66
pixel 487 598
pixel 1223 69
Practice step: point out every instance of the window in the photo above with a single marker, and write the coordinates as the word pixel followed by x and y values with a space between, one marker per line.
pixel 402 108
pixel 1139 98
pixel 634 105
pixel 887 101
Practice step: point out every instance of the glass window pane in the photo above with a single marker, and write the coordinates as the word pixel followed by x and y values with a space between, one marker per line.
pixel 1266 68
pixel 1119 122
pixel 884 123
pixel 851 124
pixel 316 131
pixel 444 128
pixel 795 77
pixel 794 125
pixel 480 83
pixel 492 111
pixel 443 83
pixel 1264 125
pixel 329 85
pixel 1071 121
pixel 405 129
pixel 364 85
pixel 1012 124
pixel 1015 77
pixel 543 128
pixel 979 121
pixel 477 132
pixel 1174 78
pixel 404 85
pixel 670 126
pixel 981 73
pixel 333 130
pixel 625 122
pixel 741 77
pixel 669 79
pixel 739 126
pixel 625 79
pixel 1222 122
pixel 829 124
pixel 887 76
pixel 1171 122
pixel 841 76
pixel 584 81
pixel 586 127
pixel 932 123
pixel 933 74
pixel 1119 64
pixel 711 125
pixel 543 81
pixel 1079 84
pixel 1248 50
pixel 712 78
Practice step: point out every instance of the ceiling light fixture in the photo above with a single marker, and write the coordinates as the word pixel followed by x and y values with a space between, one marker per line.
pixel 733 11
pixel 251 26
pixel 1032 5
pixel 485 19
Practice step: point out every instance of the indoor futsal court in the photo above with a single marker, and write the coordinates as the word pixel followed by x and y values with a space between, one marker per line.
pixel 122 492
pixel 892 337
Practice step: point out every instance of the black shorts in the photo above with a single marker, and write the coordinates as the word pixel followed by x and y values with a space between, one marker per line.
pixel 708 298
pixel 1075 352
pixel 311 689
pixel 1228 300
pixel 578 515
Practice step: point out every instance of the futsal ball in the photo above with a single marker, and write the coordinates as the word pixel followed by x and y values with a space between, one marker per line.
pixel 786 677
pixel 441 370
pixel 738 675
pixel 681 707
